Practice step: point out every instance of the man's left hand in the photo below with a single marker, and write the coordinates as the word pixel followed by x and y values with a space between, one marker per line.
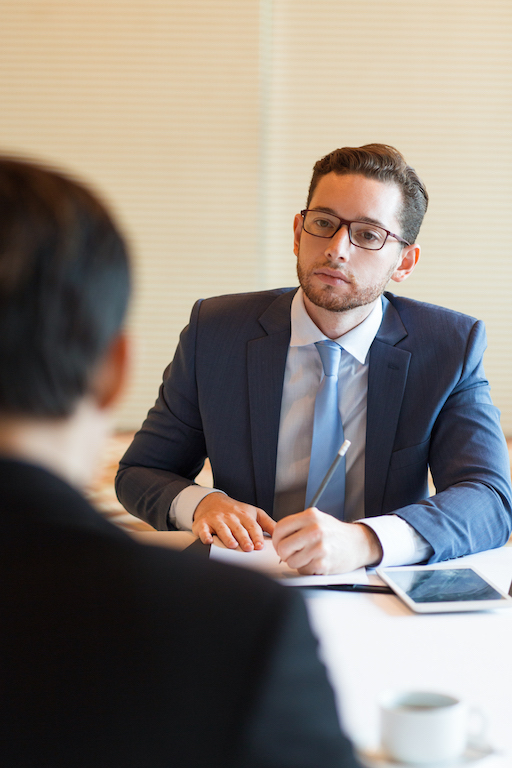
pixel 314 542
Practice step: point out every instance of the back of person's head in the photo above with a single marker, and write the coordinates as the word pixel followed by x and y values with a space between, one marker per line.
pixel 386 164
pixel 64 287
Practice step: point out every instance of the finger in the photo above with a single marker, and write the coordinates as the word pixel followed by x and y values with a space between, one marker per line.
pixel 288 526
pixel 225 534
pixel 202 529
pixel 290 546
pixel 297 557
pixel 247 532
pixel 306 539
pixel 265 521
pixel 313 568
pixel 254 531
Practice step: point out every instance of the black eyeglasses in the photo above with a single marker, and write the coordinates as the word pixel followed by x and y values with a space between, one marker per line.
pixel 360 233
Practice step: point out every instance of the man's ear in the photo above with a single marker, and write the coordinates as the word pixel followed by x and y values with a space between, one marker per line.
pixel 408 260
pixel 110 374
pixel 297 230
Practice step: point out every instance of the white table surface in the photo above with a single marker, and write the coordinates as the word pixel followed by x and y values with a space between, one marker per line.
pixel 372 643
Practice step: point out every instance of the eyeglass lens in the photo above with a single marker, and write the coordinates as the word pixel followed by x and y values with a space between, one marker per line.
pixel 362 234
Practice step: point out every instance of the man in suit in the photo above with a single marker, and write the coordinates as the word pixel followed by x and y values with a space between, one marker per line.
pixel 104 662
pixel 411 393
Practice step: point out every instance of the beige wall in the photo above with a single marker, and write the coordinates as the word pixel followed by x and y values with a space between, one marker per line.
pixel 200 123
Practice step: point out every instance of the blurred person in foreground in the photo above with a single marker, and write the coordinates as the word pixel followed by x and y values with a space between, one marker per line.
pixel 248 384
pixel 113 653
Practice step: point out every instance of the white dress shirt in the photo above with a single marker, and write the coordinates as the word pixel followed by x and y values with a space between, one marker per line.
pixel 401 543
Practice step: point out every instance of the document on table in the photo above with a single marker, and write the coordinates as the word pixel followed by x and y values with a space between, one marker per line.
pixel 266 560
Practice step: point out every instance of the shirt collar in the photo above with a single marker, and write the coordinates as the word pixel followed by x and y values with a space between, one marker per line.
pixel 356 342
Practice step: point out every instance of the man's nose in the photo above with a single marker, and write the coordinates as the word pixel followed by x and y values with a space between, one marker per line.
pixel 339 245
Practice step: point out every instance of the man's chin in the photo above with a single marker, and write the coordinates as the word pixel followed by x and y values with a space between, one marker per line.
pixel 326 299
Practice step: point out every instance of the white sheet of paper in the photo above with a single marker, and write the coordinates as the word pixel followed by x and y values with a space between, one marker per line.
pixel 266 560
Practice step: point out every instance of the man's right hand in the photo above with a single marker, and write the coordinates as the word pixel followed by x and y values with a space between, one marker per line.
pixel 235 523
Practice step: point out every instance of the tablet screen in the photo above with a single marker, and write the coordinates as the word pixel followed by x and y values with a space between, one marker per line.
pixel 446 585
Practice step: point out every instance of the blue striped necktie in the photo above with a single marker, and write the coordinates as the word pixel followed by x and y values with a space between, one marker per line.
pixel 327 435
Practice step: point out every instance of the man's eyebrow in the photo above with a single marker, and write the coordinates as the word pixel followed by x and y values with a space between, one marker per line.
pixel 367 219
pixel 325 209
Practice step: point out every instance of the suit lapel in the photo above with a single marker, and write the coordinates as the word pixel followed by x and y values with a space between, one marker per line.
pixel 388 368
pixel 266 362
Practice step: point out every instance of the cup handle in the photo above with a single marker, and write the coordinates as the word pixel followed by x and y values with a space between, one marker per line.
pixel 477 727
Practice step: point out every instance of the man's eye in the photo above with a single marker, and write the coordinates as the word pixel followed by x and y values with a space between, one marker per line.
pixel 370 235
pixel 323 224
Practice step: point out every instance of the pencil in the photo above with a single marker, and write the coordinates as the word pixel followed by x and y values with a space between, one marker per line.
pixel 330 472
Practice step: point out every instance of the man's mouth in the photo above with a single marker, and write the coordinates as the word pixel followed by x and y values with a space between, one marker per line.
pixel 331 276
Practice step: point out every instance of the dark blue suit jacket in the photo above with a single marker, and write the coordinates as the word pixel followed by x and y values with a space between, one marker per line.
pixel 428 406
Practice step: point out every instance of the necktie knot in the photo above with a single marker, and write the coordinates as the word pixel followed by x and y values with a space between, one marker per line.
pixel 330 354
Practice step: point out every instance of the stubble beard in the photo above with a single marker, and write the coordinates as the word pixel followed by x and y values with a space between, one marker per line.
pixel 326 297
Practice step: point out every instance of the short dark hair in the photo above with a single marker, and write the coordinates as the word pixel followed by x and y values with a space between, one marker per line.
pixel 64 288
pixel 384 163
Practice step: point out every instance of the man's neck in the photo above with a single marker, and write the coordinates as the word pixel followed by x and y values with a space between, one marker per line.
pixel 336 324
pixel 68 447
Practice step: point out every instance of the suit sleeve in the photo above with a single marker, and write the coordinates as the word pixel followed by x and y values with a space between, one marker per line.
pixel 469 462
pixel 294 723
pixel 169 450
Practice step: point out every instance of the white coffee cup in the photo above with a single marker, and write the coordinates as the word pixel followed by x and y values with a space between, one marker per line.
pixel 422 727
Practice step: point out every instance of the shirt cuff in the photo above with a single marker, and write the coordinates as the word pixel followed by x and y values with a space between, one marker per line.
pixel 181 513
pixel 401 543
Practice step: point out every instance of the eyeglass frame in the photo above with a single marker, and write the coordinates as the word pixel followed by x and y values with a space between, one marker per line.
pixel 344 222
